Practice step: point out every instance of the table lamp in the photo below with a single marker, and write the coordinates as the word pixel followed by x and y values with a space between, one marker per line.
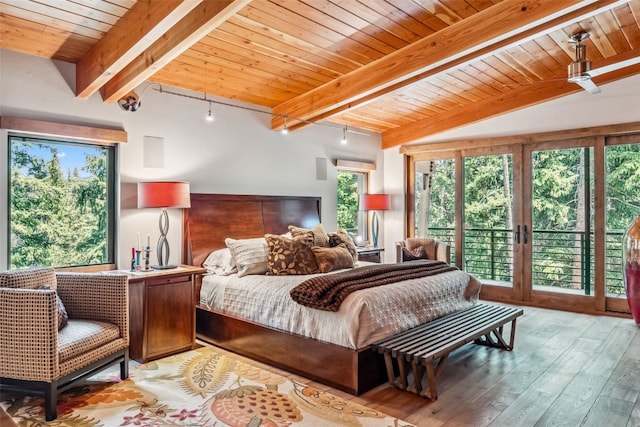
pixel 375 202
pixel 163 194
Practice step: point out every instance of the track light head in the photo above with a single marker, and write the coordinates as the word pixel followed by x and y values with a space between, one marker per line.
pixel 130 102
pixel 210 117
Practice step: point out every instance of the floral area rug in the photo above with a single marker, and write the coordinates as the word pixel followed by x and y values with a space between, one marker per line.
pixel 202 387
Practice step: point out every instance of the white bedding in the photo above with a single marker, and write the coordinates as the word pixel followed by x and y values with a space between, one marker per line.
pixel 365 316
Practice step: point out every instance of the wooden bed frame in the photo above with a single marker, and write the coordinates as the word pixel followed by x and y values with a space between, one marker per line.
pixel 214 217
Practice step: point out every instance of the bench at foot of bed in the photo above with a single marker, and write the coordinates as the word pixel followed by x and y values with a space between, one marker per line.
pixel 424 350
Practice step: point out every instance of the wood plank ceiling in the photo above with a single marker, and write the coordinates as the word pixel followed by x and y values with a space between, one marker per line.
pixel 404 68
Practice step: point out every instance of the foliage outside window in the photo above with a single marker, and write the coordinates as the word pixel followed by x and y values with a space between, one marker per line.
pixel 61 203
pixel 563 223
pixel 350 186
pixel 622 205
pixel 435 200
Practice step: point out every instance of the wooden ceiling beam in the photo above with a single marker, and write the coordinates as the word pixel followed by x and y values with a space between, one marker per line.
pixel 199 22
pixel 482 34
pixel 511 101
pixel 138 29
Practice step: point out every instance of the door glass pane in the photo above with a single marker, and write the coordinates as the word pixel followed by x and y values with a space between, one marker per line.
pixel 488 218
pixel 623 205
pixel 562 237
pixel 435 200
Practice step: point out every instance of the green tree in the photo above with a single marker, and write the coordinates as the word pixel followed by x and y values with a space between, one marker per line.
pixel 348 201
pixel 56 220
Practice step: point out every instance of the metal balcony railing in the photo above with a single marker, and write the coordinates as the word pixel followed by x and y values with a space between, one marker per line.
pixel 561 259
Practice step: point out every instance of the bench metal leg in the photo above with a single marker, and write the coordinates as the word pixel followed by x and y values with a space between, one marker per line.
pixel 432 377
pixel 501 343
pixel 402 370
pixel 388 361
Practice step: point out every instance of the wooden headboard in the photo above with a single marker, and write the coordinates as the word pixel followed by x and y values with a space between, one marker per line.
pixel 214 217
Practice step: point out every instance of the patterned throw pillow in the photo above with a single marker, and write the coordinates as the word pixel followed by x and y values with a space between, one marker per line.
pixel 342 237
pixel 415 254
pixel 291 256
pixel 335 258
pixel 63 317
pixel 320 236
pixel 249 255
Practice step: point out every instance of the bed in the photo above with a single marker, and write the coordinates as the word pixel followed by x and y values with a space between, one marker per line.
pixel 343 360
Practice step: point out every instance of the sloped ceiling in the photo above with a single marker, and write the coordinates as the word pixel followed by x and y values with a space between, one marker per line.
pixel 404 68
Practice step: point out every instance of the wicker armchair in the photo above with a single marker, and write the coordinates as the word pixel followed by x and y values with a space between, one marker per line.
pixel 431 249
pixel 36 357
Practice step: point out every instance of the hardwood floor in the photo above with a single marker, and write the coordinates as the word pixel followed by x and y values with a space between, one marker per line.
pixel 566 369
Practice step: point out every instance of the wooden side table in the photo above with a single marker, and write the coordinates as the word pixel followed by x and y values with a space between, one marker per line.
pixel 370 254
pixel 162 312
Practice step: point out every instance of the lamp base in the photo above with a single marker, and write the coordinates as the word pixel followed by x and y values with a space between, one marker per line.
pixel 163 267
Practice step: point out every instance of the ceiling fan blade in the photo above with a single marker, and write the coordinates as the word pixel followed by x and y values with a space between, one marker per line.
pixel 613 67
pixel 589 86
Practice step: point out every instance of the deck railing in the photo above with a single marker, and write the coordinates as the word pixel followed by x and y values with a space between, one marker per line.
pixel 561 259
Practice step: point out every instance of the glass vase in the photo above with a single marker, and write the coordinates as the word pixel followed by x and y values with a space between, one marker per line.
pixel 631 263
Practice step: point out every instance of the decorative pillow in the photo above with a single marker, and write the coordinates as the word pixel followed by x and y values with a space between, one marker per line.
pixel 249 255
pixel 342 237
pixel 412 255
pixel 63 317
pixel 220 262
pixel 320 237
pixel 291 256
pixel 335 258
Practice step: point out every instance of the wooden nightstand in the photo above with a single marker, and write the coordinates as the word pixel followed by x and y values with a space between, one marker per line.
pixel 162 312
pixel 370 254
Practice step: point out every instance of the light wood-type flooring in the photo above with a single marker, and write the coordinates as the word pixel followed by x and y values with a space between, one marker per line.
pixel 566 369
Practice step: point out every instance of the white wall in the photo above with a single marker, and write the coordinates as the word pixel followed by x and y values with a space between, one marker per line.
pixel 236 154
pixel 618 102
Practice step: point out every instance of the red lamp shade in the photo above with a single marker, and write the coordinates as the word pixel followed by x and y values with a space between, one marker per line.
pixel 165 194
pixel 375 202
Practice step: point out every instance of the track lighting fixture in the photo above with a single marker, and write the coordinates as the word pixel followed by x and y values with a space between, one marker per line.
pixel 131 102
pixel 210 117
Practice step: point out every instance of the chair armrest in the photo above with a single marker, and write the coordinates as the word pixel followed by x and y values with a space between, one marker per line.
pixel 399 246
pixel 443 252
pixel 95 296
pixel 28 334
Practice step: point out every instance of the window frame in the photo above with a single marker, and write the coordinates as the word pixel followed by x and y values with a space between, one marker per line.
pixel 67 133
pixel 110 151
pixel 362 189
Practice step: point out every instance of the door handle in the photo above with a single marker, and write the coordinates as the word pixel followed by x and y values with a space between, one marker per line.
pixel 517 234
pixel 526 235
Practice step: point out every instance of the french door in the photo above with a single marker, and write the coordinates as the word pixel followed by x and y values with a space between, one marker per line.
pixel 558 239
pixel 539 223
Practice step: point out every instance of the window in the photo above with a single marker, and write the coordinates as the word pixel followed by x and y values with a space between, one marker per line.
pixel 351 185
pixel 61 205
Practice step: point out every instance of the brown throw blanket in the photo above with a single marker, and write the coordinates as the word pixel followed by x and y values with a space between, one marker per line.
pixel 327 292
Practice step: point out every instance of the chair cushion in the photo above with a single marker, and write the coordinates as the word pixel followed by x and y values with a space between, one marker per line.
pixel 30 278
pixel 81 336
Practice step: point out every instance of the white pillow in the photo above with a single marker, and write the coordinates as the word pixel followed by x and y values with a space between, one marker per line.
pixel 220 262
pixel 251 256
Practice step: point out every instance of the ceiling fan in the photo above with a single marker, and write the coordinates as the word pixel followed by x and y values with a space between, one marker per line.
pixel 579 71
